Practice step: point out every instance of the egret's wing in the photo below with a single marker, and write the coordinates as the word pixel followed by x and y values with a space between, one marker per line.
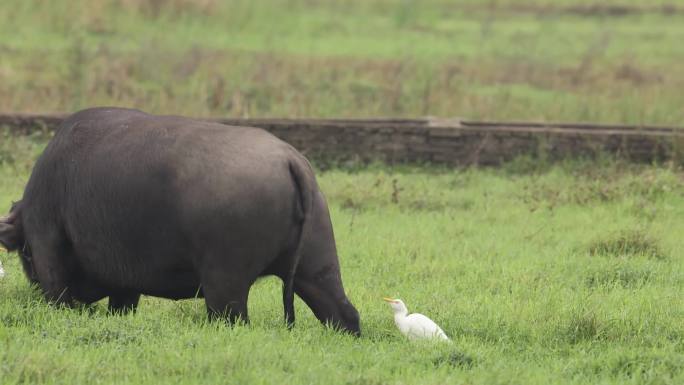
pixel 421 326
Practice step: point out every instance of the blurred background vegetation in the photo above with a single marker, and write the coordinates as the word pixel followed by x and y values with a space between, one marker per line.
pixel 616 61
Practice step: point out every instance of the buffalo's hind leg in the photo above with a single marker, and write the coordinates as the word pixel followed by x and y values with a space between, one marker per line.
pixel 326 298
pixel 225 295
pixel 317 280
pixel 230 305
pixel 123 303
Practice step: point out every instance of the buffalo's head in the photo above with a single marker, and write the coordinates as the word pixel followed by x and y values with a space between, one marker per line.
pixel 12 238
pixel 11 231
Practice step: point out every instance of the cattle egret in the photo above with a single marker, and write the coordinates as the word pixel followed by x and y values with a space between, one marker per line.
pixel 414 326
pixel 2 272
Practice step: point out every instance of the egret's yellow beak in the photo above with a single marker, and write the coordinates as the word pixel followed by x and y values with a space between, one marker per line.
pixel 388 299
pixel 3 249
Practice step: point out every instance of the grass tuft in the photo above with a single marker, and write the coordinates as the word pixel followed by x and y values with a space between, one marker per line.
pixel 627 244
pixel 623 276
pixel 455 360
pixel 583 326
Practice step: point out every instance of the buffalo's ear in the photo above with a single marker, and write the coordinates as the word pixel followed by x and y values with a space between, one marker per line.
pixel 9 236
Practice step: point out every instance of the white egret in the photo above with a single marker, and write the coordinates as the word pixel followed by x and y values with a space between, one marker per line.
pixel 2 272
pixel 416 325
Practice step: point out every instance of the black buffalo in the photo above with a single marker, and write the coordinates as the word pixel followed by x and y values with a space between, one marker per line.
pixel 123 203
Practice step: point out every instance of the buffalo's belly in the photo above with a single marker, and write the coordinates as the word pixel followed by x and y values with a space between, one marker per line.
pixel 176 284
pixel 170 277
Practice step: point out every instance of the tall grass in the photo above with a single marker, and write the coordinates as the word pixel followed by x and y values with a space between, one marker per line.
pixel 614 61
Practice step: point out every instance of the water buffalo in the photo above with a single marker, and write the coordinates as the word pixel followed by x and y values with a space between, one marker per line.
pixel 123 203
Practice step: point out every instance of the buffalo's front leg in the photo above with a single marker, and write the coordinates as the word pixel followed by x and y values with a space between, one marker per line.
pixel 123 303
pixel 53 272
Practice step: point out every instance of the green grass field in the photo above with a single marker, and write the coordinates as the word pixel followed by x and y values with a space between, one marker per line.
pixel 552 274
pixel 615 61
pixel 565 273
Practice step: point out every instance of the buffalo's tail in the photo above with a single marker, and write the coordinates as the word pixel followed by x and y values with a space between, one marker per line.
pixel 302 174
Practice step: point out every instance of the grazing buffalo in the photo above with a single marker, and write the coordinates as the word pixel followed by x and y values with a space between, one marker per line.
pixel 123 203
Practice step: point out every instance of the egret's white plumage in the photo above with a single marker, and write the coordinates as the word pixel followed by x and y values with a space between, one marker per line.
pixel 2 272
pixel 416 325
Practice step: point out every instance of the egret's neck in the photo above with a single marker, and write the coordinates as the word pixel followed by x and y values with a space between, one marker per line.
pixel 400 313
